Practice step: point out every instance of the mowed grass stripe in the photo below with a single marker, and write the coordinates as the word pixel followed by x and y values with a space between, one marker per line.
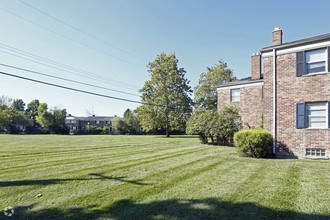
pixel 90 189
pixel 59 160
pixel 223 180
pixel 81 172
pixel 157 180
pixel 314 196
pixel 86 164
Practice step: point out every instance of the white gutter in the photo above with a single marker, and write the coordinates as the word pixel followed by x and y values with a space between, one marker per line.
pixel 274 102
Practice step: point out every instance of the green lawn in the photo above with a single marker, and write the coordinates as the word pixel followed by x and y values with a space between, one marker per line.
pixel 149 177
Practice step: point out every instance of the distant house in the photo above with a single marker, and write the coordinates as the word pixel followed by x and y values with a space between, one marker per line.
pixel 289 94
pixel 79 124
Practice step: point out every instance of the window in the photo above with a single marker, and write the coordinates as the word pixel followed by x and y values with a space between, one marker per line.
pixel 313 61
pixel 313 115
pixel 234 95
pixel 314 152
pixel 97 122
pixel 317 115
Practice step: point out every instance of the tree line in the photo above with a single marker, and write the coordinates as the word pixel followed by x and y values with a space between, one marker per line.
pixel 167 106
pixel 35 117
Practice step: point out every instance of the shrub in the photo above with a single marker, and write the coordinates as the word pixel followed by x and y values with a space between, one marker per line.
pixel 254 142
pixel 217 126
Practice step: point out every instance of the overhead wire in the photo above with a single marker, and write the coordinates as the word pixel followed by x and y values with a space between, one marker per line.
pixel 69 38
pixel 68 80
pixel 81 31
pixel 74 89
pixel 71 69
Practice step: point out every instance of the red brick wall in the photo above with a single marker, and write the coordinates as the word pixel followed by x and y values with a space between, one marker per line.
pixel 256 66
pixel 250 104
pixel 291 90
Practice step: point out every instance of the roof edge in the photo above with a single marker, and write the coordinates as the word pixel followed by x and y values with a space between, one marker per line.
pixel 238 83
pixel 318 38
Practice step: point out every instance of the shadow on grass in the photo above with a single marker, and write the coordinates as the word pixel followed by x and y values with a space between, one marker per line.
pixel 209 208
pixel 95 176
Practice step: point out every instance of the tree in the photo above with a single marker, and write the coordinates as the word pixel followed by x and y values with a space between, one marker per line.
pixel 18 105
pixel 229 123
pixel 5 101
pixel 204 123
pixel 206 90
pixel 120 127
pixel 219 127
pixel 53 121
pixel 131 121
pixel 12 121
pixel 166 96
pixel 32 110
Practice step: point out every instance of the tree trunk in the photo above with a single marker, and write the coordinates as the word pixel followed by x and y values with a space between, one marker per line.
pixel 167 133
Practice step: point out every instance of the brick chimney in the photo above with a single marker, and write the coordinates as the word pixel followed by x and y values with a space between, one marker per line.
pixel 277 36
pixel 256 66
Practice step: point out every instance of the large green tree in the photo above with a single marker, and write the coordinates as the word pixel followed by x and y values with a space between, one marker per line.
pixel 166 96
pixel 206 90
pixel 53 121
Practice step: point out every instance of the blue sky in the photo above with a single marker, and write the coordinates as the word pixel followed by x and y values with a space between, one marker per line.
pixel 132 33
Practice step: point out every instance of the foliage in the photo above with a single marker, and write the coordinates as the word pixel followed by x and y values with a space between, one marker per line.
pixel 119 126
pixel 206 91
pixel 53 121
pixel 5 101
pixel 219 127
pixel 166 96
pixel 132 122
pixel 254 142
pixel 18 105
pixel 91 129
pixel 229 122
pixel 32 110
pixel 202 122
pixel 12 121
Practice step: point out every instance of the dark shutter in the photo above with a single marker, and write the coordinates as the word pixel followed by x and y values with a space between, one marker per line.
pixel 329 114
pixel 300 63
pixel 328 59
pixel 301 116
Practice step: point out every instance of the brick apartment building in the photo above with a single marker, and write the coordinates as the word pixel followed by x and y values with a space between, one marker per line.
pixel 289 97
pixel 78 124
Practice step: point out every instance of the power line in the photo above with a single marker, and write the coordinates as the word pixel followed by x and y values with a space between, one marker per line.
pixel 81 31
pixel 68 71
pixel 68 80
pixel 73 89
pixel 69 38
pixel 52 62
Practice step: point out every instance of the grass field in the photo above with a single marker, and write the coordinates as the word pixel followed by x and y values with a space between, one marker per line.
pixel 149 177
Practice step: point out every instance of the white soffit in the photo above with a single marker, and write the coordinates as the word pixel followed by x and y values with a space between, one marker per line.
pixel 312 46
pixel 240 86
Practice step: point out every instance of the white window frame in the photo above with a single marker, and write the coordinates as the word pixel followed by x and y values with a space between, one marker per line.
pixel 308 116
pixel 325 61
pixel 235 98
pixel 315 152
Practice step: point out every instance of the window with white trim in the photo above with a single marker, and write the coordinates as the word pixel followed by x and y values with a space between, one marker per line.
pixel 315 61
pixel 313 115
pixel 317 115
pixel 315 152
pixel 234 95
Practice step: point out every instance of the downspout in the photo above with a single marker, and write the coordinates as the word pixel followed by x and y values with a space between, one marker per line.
pixel 274 103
